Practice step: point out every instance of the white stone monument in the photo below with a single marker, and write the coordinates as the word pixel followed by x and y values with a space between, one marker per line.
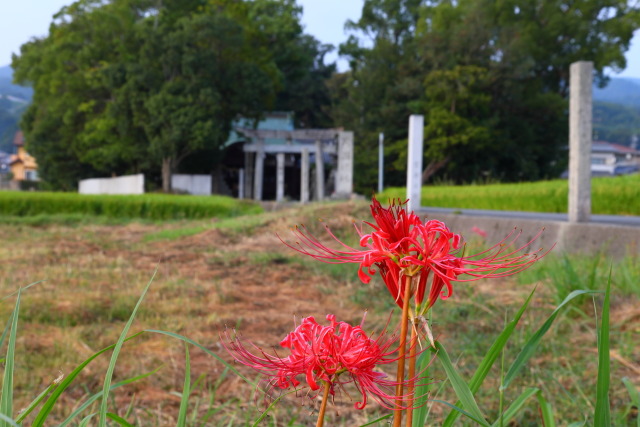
pixel 344 175
pixel 319 171
pixel 414 162
pixel 279 177
pixel 304 176
pixel 580 119
pixel 258 172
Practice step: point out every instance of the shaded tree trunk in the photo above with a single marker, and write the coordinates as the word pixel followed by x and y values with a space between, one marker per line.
pixel 433 167
pixel 167 168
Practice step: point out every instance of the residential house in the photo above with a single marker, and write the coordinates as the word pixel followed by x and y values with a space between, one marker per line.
pixel 609 159
pixel 23 165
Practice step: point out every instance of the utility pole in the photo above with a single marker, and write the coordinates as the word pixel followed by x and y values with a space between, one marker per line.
pixel 380 162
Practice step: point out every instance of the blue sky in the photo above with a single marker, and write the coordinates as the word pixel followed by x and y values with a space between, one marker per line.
pixel 24 19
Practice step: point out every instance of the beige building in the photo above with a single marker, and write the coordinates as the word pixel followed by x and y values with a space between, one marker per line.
pixel 23 165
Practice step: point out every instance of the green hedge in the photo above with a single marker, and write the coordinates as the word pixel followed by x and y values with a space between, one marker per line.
pixel 147 206
pixel 609 196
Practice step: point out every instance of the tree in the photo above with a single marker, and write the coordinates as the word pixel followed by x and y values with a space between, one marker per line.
pixel 514 122
pixel 203 74
pixel 382 88
pixel 139 85
pixel 71 126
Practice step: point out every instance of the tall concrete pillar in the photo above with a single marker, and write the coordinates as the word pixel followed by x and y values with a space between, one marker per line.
pixel 304 176
pixel 258 172
pixel 414 161
pixel 319 171
pixel 248 174
pixel 580 129
pixel 241 183
pixel 279 177
pixel 344 175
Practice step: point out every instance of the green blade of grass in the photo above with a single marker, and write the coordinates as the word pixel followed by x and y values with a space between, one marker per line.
pixel 530 347
pixel 203 348
pixel 634 395
pixel 377 420
pixel 85 420
pixel 489 359
pixel 602 415
pixel 10 421
pixel 186 390
pixel 22 289
pixel 515 406
pixel 270 407
pixel 102 412
pixel 459 386
pixel 48 405
pixel 6 401
pixel 36 402
pixel 6 328
pixel 117 418
pixel 546 410
pixel 422 391
pixel 480 421
pixel 98 395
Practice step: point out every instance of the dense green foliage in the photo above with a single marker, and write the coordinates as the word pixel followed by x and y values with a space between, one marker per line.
pixel 615 123
pixel 148 206
pixel 130 86
pixel 609 196
pixel 490 77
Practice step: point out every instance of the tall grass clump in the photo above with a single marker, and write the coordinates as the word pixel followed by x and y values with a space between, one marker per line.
pixel 146 206
pixel 567 272
pixel 610 196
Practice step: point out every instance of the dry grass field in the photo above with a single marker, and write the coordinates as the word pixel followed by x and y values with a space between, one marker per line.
pixel 213 274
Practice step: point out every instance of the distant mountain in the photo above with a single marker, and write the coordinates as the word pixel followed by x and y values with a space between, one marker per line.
pixel 620 90
pixel 6 72
pixel 8 88
pixel 13 101
pixel 616 111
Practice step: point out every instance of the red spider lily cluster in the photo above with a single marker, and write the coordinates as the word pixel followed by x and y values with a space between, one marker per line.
pixel 417 261
pixel 401 245
pixel 335 354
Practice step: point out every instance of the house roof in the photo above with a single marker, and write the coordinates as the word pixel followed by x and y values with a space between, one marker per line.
pixel 608 147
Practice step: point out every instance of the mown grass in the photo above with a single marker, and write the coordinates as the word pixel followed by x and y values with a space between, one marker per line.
pixel 70 207
pixel 609 196
pixel 235 272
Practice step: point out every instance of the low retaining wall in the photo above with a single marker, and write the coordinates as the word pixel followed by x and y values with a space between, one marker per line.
pixel 130 184
pixel 589 238
pixel 192 184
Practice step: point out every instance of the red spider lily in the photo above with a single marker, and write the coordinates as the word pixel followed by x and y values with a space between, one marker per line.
pixel 336 354
pixel 401 245
pixel 479 231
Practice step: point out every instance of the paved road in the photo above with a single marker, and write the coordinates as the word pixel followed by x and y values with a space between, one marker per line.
pixel 599 219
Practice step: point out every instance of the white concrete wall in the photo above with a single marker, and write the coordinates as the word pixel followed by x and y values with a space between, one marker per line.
pixel 192 184
pixel 130 184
